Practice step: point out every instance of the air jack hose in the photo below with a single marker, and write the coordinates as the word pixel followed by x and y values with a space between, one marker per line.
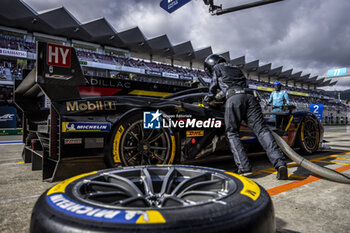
pixel 314 168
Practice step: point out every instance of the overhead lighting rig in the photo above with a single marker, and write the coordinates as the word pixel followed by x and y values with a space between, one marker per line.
pixel 218 10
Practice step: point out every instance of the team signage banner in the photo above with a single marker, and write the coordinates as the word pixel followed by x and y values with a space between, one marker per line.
pixel 186 77
pixel 132 69
pixel 13 53
pixel 101 65
pixel 153 72
pixel 265 88
pixel 8 117
pixel 298 93
pixel 170 75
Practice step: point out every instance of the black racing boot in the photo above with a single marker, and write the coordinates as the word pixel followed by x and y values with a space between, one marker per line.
pixel 282 173
pixel 244 173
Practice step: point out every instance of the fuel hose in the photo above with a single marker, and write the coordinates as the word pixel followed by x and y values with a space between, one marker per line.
pixel 314 168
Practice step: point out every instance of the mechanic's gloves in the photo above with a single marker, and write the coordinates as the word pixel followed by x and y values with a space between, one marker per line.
pixel 208 98
pixel 220 97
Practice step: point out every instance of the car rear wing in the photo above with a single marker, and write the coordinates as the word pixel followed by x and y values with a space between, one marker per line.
pixel 57 75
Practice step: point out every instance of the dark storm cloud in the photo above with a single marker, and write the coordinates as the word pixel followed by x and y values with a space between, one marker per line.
pixel 307 35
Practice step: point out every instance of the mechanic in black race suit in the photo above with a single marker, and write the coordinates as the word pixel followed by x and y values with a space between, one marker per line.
pixel 229 82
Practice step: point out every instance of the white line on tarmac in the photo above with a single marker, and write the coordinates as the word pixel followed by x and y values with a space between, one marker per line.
pixel 18 199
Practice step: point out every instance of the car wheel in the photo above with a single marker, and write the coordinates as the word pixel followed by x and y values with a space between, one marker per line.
pixel 176 198
pixel 132 145
pixel 308 136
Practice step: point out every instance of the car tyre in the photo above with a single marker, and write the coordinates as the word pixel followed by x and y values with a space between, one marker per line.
pixel 132 145
pixel 308 136
pixel 170 198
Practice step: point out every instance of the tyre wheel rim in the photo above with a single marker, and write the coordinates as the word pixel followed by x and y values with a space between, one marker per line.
pixel 145 146
pixel 154 187
pixel 310 134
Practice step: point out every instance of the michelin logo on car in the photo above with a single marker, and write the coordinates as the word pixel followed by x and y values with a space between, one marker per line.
pixel 85 126
pixel 153 120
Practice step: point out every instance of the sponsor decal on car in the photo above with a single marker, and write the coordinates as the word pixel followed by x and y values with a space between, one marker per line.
pixel 85 127
pixel 106 105
pixel 93 143
pixel 73 141
pixel 194 133
pixel 107 83
pixel 153 120
pixel 57 76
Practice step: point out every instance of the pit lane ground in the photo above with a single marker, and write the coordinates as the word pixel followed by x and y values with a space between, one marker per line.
pixel 304 203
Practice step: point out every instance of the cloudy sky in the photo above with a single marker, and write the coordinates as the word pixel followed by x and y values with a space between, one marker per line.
pixel 312 36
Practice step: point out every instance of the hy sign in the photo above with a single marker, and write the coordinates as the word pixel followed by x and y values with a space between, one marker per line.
pixel 172 5
pixel 58 55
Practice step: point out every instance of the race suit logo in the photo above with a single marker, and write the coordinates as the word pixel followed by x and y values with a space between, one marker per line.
pixel 7 117
pixel 151 120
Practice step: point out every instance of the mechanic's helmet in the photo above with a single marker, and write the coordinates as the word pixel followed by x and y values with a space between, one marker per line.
pixel 211 61
pixel 277 85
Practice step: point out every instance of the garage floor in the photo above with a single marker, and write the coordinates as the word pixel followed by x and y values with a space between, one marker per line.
pixel 304 203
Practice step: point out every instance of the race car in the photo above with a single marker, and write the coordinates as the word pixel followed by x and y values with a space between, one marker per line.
pixel 68 132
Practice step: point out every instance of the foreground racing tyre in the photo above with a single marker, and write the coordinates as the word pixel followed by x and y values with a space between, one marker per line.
pixel 132 145
pixel 147 199
pixel 309 136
